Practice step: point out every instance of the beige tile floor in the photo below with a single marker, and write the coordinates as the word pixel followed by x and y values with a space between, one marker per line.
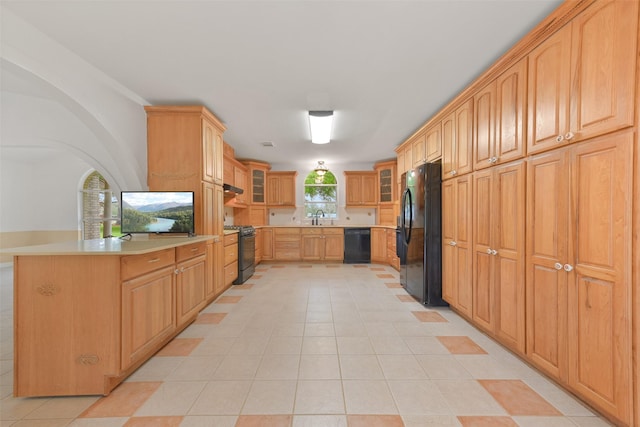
pixel 312 346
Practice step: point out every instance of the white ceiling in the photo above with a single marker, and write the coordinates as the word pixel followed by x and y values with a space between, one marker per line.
pixel 384 67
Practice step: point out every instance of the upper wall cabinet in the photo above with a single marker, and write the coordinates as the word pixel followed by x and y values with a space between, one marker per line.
pixel 281 189
pixel 457 137
pixel 581 79
pixel 433 142
pixel 484 127
pixel 511 101
pixel 361 188
pixel 418 151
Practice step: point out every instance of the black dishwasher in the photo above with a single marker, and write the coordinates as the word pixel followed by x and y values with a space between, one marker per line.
pixel 357 245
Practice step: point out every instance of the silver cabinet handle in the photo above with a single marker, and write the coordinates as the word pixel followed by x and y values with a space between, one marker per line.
pixel 494 159
pixel 453 172
pixel 176 271
pixel 568 267
pixel 558 266
pixel 489 251
pixel 559 138
pixel 569 136
pixel 494 252
pixel 452 243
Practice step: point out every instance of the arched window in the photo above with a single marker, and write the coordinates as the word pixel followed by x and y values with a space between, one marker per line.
pixel 100 211
pixel 321 195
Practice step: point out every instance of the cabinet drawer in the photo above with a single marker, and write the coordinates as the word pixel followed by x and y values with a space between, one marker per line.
pixel 135 265
pixel 230 253
pixel 190 251
pixel 230 239
pixel 333 231
pixel 230 272
pixel 286 231
pixel 311 231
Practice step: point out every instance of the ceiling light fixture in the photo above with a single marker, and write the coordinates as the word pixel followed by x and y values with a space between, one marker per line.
pixel 320 123
pixel 320 168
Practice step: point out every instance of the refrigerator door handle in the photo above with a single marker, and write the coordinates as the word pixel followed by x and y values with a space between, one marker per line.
pixel 407 197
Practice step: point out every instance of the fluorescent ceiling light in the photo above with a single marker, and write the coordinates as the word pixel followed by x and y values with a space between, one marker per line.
pixel 320 123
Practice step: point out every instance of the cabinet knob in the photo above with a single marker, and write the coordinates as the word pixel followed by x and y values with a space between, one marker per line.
pixel 494 252
pixel 176 271
pixel 558 266
pixel 568 267
pixel 489 251
pixel 569 136
pixel 494 159
pixel 453 172
pixel 559 138
pixel 452 243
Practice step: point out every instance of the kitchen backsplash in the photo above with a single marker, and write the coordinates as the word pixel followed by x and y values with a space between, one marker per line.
pixel 346 217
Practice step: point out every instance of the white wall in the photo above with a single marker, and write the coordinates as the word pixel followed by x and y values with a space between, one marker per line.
pixel 59 118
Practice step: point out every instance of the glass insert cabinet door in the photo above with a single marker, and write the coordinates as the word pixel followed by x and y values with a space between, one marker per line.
pixel 257 179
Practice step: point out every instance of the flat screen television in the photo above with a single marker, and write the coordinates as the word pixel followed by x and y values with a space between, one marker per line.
pixel 156 212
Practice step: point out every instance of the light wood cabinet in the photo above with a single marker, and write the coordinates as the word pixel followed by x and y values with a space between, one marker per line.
pixel 191 165
pixel 582 78
pixel 286 244
pixel 408 158
pixel 240 181
pixel 378 245
pixel 457 138
pixel 386 179
pixel 418 151
pixel 511 104
pixel 256 212
pixel 258 251
pixel 230 258
pixel 433 142
pixel 322 244
pixel 361 188
pixel 400 165
pixel 457 265
pixel 74 339
pixel 484 102
pixel 267 244
pixel 498 254
pixel 579 272
pixel 392 255
pixel 281 189
pixel 190 281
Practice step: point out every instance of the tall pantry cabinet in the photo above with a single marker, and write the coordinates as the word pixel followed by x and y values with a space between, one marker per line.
pixel 185 153
pixel 554 199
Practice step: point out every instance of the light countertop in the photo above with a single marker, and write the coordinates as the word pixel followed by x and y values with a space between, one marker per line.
pixel 111 246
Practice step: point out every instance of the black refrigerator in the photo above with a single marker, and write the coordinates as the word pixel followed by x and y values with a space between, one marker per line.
pixel 421 233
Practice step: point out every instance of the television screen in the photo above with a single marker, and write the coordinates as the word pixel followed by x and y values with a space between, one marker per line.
pixel 157 212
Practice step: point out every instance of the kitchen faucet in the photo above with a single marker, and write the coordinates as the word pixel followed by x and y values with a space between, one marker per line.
pixel 314 221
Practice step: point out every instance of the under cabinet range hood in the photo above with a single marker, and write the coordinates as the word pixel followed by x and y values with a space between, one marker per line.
pixel 231 190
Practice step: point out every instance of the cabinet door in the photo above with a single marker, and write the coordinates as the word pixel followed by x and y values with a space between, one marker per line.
pixel 378 245
pixel 433 143
pixel 218 158
pixel 190 289
pixel 408 158
pixel 449 220
pixel 547 234
pixel 240 181
pixel 464 247
pixel 449 163
pixel 483 293
pixel 148 314
pixel 353 190
pixel 599 291
pixel 209 209
pixel 334 244
pixel 511 101
pixel 273 190
pixel 369 189
pixel 312 246
pixel 208 152
pixel 508 241
pixel 484 132
pixel 603 66
pixel 210 277
pixel 418 151
pixel 267 243
pixel 386 181
pixel 464 138
pixel 288 190
pixel 548 94
pixel 400 162
pixel 258 186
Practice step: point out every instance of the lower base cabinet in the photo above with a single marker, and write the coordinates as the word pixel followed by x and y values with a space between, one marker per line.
pixel 83 323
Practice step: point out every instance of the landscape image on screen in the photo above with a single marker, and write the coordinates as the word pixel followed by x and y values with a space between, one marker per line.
pixel 157 212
